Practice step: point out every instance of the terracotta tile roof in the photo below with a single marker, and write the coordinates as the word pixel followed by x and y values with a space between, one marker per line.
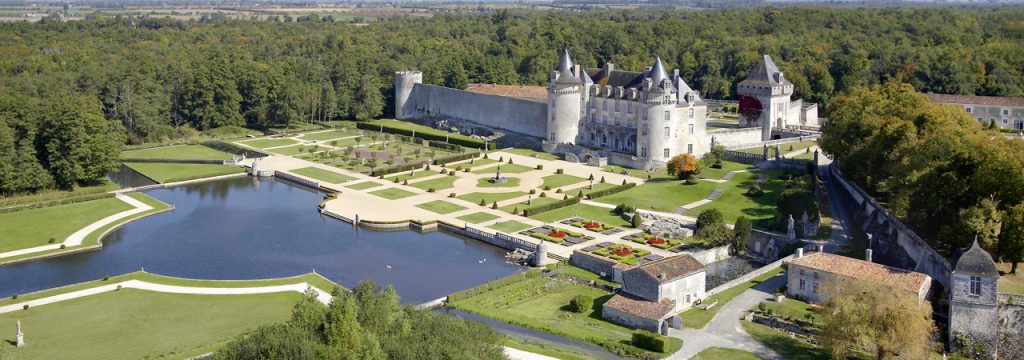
pixel 976 100
pixel 639 307
pixel 671 268
pixel 863 270
pixel 517 91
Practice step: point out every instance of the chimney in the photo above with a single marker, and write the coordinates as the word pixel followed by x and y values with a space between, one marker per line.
pixel 821 247
pixel 662 276
pixel 799 252
pixel 867 255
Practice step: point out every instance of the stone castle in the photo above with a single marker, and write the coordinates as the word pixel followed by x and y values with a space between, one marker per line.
pixel 638 119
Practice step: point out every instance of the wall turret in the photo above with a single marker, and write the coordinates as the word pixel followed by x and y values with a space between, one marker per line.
pixel 404 83
pixel 565 102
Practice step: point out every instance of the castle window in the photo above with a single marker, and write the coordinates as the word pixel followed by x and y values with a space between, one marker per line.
pixel 968 109
pixel 593 117
pixel 689 148
pixel 644 130
pixel 975 286
pixel 1006 112
pixel 803 284
pixel 643 151
pixel 691 113
pixel 691 129
pixel 815 288
pixel 668 131
pixel 666 153
pixel 668 115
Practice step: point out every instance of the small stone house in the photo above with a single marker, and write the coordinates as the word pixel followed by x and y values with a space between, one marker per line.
pixel 653 293
pixel 973 305
pixel 809 273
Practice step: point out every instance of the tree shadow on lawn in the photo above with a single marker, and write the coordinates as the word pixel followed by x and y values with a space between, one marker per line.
pixel 769 285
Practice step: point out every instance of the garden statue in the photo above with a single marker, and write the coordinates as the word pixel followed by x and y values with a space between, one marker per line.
pixel 790 229
pixel 529 199
pixel 778 154
pixel 19 336
pixel 498 179
pixel 764 151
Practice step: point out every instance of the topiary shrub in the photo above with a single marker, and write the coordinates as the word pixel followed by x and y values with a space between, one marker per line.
pixel 444 171
pixel 543 194
pixel 106 277
pixel 509 160
pixel 559 171
pixel 650 341
pixel 483 202
pixel 451 173
pixel 24 307
pixel 559 191
pixel 540 166
pixel 52 240
pixel 501 159
pixel 755 191
pixel 581 303
pixel 494 205
pixel 395 180
pixel 533 191
pixel 602 179
pixel 451 195
pixel 62 246
pixel 515 211
pixel 405 182
pixel 15 296
pixel 547 187
pixel 690 180
pixel 566 197
pixel 430 190
pixel 636 221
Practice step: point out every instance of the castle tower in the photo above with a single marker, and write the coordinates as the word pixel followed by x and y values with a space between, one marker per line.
pixel 404 82
pixel 973 297
pixel 764 97
pixel 565 101
pixel 659 102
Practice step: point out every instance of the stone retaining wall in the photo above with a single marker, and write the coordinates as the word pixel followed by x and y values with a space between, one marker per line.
pixel 749 276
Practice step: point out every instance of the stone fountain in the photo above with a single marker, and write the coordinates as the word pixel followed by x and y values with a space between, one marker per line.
pixel 498 179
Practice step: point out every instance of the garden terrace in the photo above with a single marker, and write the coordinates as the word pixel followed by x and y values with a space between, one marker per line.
pixel 174 172
pixel 177 152
pixel 592 225
pixel 326 135
pixel 586 211
pixel 266 143
pixel 505 168
pixel 655 241
pixel 557 235
pixel 623 253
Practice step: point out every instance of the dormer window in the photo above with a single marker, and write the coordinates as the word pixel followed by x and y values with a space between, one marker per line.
pixel 975 286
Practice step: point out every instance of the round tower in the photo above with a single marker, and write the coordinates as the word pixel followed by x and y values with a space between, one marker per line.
pixel 404 82
pixel 565 98
pixel 659 101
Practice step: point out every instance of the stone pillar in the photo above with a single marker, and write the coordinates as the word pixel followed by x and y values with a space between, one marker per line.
pixel 805 225
pixel 791 229
pixel 19 336
pixel 778 152
pixel 539 254
pixel 867 255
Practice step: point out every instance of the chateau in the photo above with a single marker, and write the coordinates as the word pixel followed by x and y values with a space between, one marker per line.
pixel 603 115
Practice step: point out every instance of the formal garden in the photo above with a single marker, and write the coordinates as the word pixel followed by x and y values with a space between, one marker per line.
pixel 557 235
pixel 625 254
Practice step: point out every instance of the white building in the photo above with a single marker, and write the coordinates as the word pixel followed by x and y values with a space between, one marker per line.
pixel 1006 112
pixel 653 293
pixel 765 101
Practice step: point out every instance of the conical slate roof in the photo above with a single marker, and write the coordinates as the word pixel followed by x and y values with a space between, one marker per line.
pixel 763 73
pixel 565 75
pixel 976 262
pixel 658 73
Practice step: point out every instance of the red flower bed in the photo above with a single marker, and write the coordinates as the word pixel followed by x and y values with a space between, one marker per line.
pixel 656 241
pixel 556 234
pixel 622 251
pixel 592 225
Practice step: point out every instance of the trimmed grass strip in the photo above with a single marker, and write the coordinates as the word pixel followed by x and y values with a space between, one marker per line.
pixel 477 217
pixel 323 175
pixel 177 152
pixel 440 207
pixel 393 193
pixel 510 226
pixel 170 172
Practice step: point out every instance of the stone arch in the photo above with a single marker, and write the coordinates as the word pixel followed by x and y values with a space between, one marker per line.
pixel 771 250
pixel 570 157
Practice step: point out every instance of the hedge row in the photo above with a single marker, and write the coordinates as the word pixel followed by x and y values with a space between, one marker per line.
pixel 552 206
pixel 232 148
pixel 445 146
pixel 69 200
pixel 397 168
pixel 651 341
pixel 505 281
pixel 609 191
pixel 456 157
pixel 471 143
pixel 176 161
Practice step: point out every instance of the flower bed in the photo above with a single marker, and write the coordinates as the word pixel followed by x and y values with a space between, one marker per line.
pixel 557 235
pixel 592 225
pixel 622 253
pixel 655 241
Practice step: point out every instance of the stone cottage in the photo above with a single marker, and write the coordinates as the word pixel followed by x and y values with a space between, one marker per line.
pixel 809 273
pixel 653 293
pixel 973 296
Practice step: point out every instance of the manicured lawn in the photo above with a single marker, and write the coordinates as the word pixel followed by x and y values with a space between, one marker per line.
pixel 1012 284
pixel 661 195
pixel 363 185
pixel 326 135
pixel 727 166
pixel 169 172
pixel 441 183
pixel 717 353
pixel 295 150
pixel 790 348
pixel 532 153
pixel 177 152
pixel 135 324
pixel 660 173
pixel 477 163
pixel 794 309
pixel 509 182
pixel 561 180
pixel 477 217
pixel 586 189
pixel 572 271
pixel 585 211
pixel 269 142
pixel 409 175
pixel 35 227
pixel 735 203
pixel 343 143
pixel 537 201
pixel 506 168
pixel 50 195
pixel 323 175
pixel 510 226
pixel 697 318
pixel 784 148
pixel 440 207
pixel 420 129
pixel 490 197
pixel 805 156
pixel 393 193
pixel 539 303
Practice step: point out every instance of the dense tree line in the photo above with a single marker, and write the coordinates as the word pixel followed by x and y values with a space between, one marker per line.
pixel 158 77
pixel 934 166
pixel 367 324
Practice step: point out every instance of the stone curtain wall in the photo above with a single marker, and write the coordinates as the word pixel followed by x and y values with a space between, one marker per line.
pixel 501 112
pixel 748 276
pixel 893 243
pixel 595 265
pixel 711 255
pixel 734 138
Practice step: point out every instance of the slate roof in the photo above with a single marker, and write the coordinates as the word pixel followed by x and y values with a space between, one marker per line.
pixel 635 306
pixel 763 74
pixel 517 91
pixel 671 268
pixel 863 270
pixel 976 262
pixel 976 100
pixel 625 79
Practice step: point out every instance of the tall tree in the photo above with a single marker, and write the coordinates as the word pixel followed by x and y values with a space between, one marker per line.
pixel 875 319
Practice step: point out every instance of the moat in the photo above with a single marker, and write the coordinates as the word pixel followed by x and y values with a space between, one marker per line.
pixel 247 228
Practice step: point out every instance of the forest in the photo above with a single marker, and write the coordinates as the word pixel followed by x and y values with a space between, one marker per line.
pixel 70 90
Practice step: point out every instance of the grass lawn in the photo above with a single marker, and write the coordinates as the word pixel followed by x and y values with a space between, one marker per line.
pixel 661 173
pixel 697 318
pixel 326 135
pixel 661 195
pixel 102 186
pixel 592 212
pixel 169 172
pixel 805 156
pixel 586 189
pixel 532 153
pixel 509 182
pixel 727 166
pixel 560 180
pixel 793 308
pixel 323 175
pixel 543 349
pixel 476 163
pixel 576 272
pixel 35 227
pixel 420 129
pixel 135 324
pixel 510 226
pixel 521 205
pixel 177 152
pixel 408 175
pixel 440 207
pixel 540 303
pixel 505 168
pixel 717 353
pixel 441 183
pixel 1012 284
pixel 790 348
pixel 393 193
pixel 363 185
pixel 294 150
pixel 735 203
pixel 490 197
pixel 784 148
pixel 477 217
pixel 269 142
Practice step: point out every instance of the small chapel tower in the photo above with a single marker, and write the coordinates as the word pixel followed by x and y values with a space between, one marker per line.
pixel 764 97
pixel 973 297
